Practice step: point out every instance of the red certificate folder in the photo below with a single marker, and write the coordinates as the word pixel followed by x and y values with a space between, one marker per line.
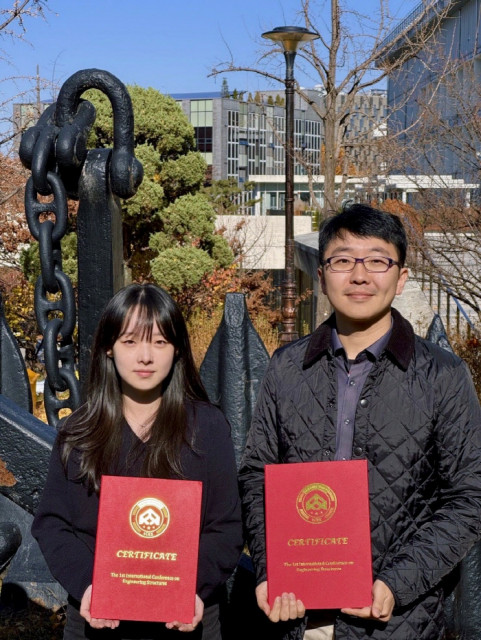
pixel 146 551
pixel 318 533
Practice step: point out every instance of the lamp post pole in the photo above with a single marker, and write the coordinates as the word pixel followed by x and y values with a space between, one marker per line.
pixel 290 37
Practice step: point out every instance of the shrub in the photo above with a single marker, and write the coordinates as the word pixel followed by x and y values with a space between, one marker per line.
pixel 469 349
pixel 20 316
pixel 179 268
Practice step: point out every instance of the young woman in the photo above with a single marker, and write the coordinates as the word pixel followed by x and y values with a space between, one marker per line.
pixel 146 414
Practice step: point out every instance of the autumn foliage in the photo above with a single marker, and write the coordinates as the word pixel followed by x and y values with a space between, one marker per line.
pixel 13 226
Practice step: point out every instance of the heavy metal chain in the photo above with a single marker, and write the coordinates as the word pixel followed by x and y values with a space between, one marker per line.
pixel 55 150
pixel 54 295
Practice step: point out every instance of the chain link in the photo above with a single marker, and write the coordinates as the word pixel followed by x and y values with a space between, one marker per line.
pixel 54 294
pixel 55 150
pixel 54 297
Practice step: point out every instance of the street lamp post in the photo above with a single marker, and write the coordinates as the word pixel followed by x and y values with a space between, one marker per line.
pixel 290 38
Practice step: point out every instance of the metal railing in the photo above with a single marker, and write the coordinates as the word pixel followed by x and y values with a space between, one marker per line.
pixel 443 300
pixel 410 20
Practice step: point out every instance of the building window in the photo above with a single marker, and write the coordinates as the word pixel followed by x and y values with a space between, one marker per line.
pixel 203 136
pixel 233 144
pixel 201 118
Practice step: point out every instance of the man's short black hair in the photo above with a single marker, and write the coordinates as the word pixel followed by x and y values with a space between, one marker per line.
pixel 364 221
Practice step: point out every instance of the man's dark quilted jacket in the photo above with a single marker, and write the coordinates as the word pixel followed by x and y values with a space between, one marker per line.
pixel 418 424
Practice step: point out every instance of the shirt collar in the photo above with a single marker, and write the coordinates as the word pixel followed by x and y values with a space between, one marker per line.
pixel 375 349
pixel 400 341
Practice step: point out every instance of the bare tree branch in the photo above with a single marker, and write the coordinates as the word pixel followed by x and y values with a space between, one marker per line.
pixel 15 15
pixel 352 55
pixel 13 26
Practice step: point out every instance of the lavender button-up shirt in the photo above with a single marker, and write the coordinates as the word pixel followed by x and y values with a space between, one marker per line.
pixel 351 376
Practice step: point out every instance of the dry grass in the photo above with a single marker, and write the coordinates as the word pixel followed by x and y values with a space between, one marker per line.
pixel 202 327
pixel 268 335
pixel 469 349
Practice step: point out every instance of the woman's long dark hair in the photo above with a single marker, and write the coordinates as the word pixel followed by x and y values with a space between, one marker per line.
pixel 95 430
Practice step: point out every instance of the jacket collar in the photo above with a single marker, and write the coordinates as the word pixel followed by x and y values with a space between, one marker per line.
pixel 400 345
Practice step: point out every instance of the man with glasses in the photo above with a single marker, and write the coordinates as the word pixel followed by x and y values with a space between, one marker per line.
pixel 364 386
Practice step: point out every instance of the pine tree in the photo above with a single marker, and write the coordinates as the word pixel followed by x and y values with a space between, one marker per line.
pixel 225 89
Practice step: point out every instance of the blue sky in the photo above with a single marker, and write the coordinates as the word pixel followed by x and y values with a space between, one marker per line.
pixel 169 45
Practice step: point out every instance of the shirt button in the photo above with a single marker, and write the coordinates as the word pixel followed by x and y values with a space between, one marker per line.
pixel 357 451
pixel 347 421
pixel 364 402
pixel 352 383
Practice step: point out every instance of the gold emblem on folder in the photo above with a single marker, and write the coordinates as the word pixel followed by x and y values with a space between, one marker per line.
pixel 316 503
pixel 149 517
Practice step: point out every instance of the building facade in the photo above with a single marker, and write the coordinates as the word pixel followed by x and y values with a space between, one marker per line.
pixel 244 139
pixel 25 115
pixel 434 103
pixel 433 98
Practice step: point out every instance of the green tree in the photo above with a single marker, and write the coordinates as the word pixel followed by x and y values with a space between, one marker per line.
pixel 183 175
pixel 187 248
pixel 169 225
pixel 30 259
pixel 228 197
pixel 180 268
pixel 165 144
pixel 224 92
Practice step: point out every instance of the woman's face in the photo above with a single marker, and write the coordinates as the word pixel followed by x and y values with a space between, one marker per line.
pixel 142 362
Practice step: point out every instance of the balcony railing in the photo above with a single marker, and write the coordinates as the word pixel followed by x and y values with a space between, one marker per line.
pixel 410 20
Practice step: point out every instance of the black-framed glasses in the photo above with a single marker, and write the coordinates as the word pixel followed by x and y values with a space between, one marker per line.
pixel 372 264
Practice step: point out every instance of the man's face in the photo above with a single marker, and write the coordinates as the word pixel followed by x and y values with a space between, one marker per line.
pixel 361 297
